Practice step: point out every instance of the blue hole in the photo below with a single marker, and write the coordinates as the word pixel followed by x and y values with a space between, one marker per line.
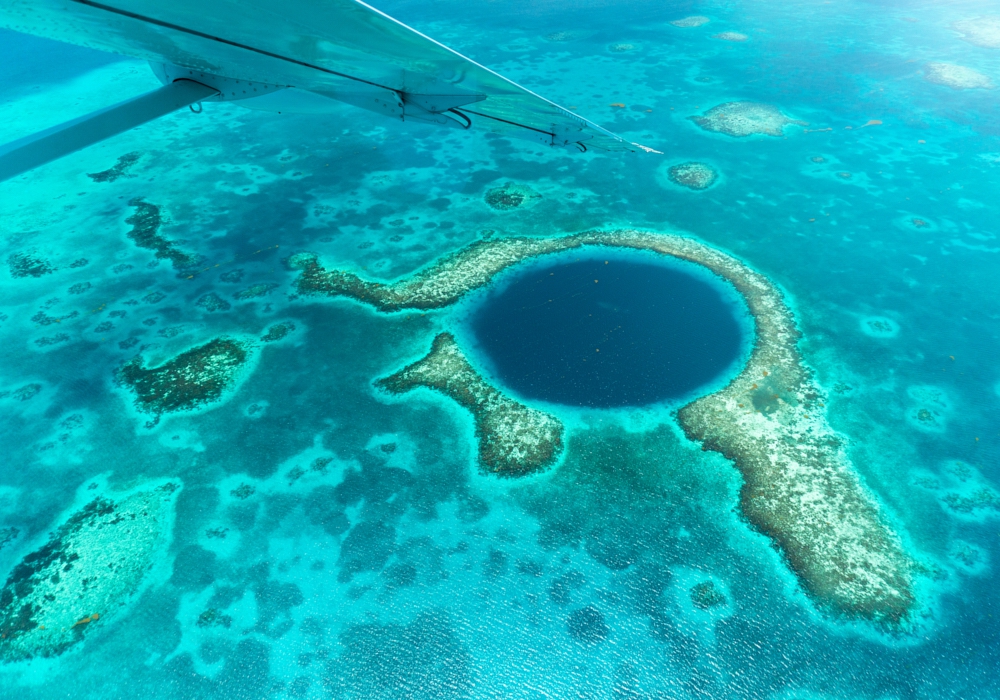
pixel 610 332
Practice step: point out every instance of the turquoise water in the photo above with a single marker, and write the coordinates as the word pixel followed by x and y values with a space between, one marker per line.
pixel 330 541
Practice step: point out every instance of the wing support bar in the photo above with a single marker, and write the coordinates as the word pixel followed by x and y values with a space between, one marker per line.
pixel 35 150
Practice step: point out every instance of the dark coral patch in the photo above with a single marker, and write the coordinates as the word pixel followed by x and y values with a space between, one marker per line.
pixel 277 332
pixel 510 196
pixel 705 595
pixel 212 302
pixel 145 233
pixel 29 264
pixel 193 379
pixel 587 625
pixel 118 170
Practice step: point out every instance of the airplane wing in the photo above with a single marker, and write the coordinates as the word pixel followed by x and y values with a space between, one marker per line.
pixel 297 50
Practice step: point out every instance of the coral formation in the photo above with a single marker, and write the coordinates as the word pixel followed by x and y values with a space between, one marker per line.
pixel 730 36
pixel 693 21
pixel 957 77
pixel 29 264
pixel 879 327
pixel 8 534
pixel 145 233
pixel 510 196
pixel 85 573
pixel 255 291
pixel 277 332
pixel 118 170
pixel 694 176
pixel 28 391
pixel 800 488
pixel 745 119
pixel 193 379
pixel 621 48
pixel 705 595
pixel 212 302
pixel 982 31
pixel 513 439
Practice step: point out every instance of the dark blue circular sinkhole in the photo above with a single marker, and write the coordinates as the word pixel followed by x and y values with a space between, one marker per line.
pixel 609 332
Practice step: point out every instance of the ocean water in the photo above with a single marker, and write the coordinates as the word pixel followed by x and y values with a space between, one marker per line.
pixel 324 540
pixel 609 331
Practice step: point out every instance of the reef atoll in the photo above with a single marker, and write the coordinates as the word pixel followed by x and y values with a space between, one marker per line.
pixel 694 176
pixel 957 77
pixel 87 571
pixel 191 380
pixel 145 233
pixel 510 196
pixel 741 119
pixel 800 488
pixel 513 439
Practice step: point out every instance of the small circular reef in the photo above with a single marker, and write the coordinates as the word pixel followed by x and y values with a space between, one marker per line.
pixel 692 175
pixel 742 119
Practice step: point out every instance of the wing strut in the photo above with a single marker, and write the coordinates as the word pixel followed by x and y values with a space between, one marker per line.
pixel 35 150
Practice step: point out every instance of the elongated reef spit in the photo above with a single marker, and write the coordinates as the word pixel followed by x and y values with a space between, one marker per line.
pixel 514 439
pixel 800 488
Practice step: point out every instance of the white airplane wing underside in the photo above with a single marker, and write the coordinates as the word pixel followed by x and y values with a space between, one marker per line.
pixel 340 49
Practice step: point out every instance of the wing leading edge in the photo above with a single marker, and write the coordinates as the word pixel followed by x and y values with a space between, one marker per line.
pixel 312 50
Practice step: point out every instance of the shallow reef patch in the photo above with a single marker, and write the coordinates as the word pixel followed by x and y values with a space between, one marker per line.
pixel 693 21
pixel 981 31
pixel 191 380
pixel 741 119
pixel 956 77
pixel 118 170
pixel 84 575
pixel 146 222
pixel 29 264
pixel 800 487
pixel 706 595
pixel 692 175
pixel 513 439
pixel 879 327
pixel 587 625
pixel 510 196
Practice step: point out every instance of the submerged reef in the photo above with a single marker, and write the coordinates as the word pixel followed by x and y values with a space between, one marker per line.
pixel 694 176
pixel 693 21
pixel 983 31
pixel 118 170
pixel 510 196
pixel 277 332
pixel 145 233
pixel 29 264
pixel 705 595
pixel 957 77
pixel 800 488
pixel 191 380
pixel 513 439
pixel 741 119
pixel 92 564
pixel 731 36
